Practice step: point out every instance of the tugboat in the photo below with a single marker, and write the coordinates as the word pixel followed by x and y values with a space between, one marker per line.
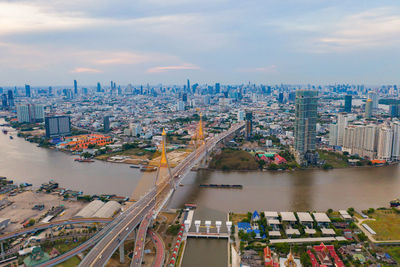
pixel 83 160
pixel 395 203
pixel 11 137
pixel 5 131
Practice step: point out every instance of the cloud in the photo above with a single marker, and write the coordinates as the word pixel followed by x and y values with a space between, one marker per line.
pixel 173 68
pixel 267 69
pixel 85 70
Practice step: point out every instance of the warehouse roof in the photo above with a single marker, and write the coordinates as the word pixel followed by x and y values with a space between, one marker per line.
pixel 89 210
pixel 304 217
pixel 108 210
pixel 321 217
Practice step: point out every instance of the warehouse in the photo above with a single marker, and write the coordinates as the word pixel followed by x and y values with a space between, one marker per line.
pixel 90 209
pixel 108 210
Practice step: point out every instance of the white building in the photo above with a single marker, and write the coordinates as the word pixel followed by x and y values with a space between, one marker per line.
pixel 30 113
pixel 396 141
pixel 240 115
pixel 180 106
pixel 385 142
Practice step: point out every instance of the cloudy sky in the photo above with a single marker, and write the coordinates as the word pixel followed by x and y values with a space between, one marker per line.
pixel 167 41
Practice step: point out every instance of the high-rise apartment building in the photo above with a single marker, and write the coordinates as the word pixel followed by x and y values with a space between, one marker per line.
pixel 375 99
pixel 10 98
pixel 240 115
pixel 385 143
pixel 57 126
pixel 396 141
pixel 348 103
pixel 4 102
pixel 106 124
pixel 30 113
pixel 305 124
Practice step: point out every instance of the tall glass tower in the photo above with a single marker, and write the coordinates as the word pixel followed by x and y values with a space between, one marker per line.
pixel 306 121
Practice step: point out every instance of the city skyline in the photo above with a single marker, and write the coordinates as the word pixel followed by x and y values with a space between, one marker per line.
pixel 218 41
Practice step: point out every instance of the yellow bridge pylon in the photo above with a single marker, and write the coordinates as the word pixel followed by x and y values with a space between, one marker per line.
pixel 200 132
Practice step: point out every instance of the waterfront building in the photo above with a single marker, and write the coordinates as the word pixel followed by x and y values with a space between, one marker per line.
pixel 368 108
pixel 333 132
pixel 336 134
pixel 385 143
pixel 57 126
pixel 80 142
pixel 396 141
pixel 361 140
pixel 305 123
pixel 30 113
pixel 348 103
pixel 249 125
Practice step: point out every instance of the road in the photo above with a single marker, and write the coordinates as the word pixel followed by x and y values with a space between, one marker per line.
pixel 43 226
pixel 141 241
pixel 160 249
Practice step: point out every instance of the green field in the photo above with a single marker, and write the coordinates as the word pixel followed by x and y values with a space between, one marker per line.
pixel 336 160
pixel 386 224
pixel 230 159
pixel 394 252
pixel 72 262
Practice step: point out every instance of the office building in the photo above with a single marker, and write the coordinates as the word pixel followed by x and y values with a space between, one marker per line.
pixel 217 88
pixel 57 126
pixel 348 103
pixel 98 87
pixel 184 97
pixel 27 90
pixel 30 113
pixel 188 86
pixel 106 123
pixel 305 125
pixel 368 109
pixel 10 95
pixel 75 87
pixel 249 125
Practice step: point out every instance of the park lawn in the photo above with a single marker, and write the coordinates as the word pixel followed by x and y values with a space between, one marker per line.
pixel 333 159
pixel 394 252
pixel 386 224
pixel 230 159
pixel 136 152
pixel 72 262
pixel 238 217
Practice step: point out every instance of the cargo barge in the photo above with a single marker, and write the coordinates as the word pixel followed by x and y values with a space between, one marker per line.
pixel 232 186
pixel 395 203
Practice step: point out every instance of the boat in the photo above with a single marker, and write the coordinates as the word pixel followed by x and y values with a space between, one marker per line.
pixel 83 160
pixel 395 203
pixel 134 166
pixel 190 206
pixel 11 137
pixel 233 186
pixel 148 169
pixel 5 131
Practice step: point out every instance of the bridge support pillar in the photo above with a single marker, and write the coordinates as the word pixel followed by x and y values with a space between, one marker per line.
pixel 2 250
pixel 121 253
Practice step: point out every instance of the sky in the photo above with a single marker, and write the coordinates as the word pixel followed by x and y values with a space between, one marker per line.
pixel 228 41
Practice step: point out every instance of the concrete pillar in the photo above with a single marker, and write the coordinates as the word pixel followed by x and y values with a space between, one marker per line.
pixel 121 253
pixel 208 225
pixel 229 226
pixel 197 224
pixel 2 250
pixel 218 225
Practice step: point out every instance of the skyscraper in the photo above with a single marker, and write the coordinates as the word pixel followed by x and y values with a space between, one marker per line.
pixel 30 113
pixel 368 109
pixel 106 123
pixel 10 98
pixel 249 124
pixel 75 87
pixel 217 88
pixel 396 141
pixel 27 90
pixel 57 126
pixel 374 98
pixel 188 85
pixel 348 103
pixel 98 87
pixel 394 111
pixel 305 124
pixel 385 143
pixel 4 103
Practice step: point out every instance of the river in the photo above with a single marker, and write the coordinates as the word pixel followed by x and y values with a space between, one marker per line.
pixel 278 191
